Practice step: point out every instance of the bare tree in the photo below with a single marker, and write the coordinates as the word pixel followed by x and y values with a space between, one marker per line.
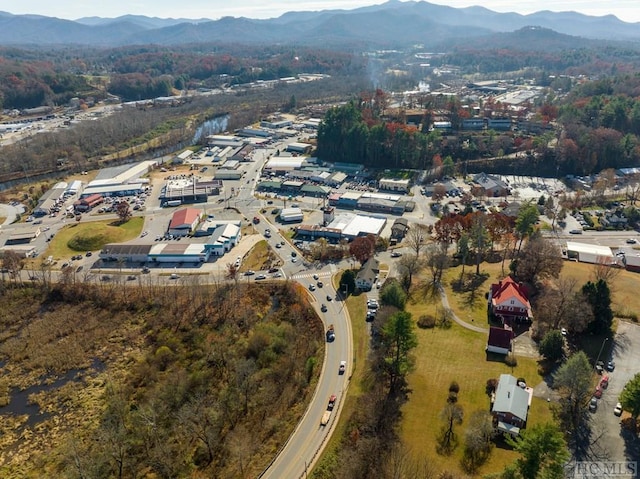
pixel 417 237
pixel 603 270
pixel 408 266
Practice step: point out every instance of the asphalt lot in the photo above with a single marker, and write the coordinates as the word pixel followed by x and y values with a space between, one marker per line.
pixel 615 443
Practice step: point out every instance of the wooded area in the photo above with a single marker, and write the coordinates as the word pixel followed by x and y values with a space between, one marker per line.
pixel 200 381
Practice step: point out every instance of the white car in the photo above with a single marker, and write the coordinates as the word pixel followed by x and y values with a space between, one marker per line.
pixel 618 410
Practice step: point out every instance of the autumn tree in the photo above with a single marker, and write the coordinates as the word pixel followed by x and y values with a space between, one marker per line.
pixel 539 260
pixel 123 211
pixel 13 263
pixel 362 248
pixel 451 415
pixel 478 440
pixel 416 238
pixel 408 266
pixel 561 304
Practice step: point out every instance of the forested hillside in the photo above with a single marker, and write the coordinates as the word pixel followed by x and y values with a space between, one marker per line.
pixel 153 381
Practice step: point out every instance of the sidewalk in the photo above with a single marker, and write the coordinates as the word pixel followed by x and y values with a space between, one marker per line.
pixel 464 324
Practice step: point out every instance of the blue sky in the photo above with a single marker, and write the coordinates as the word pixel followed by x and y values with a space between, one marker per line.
pixel 626 10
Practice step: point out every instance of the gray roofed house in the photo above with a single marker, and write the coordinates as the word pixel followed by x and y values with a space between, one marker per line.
pixel 510 405
pixel 367 275
pixel 489 185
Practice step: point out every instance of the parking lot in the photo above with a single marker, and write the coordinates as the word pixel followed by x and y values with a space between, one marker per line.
pixel 614 443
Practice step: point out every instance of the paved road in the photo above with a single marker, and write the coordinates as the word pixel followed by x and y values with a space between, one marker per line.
pixel 616 444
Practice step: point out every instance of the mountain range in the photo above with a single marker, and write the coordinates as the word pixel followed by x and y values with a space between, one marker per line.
pixel 392 24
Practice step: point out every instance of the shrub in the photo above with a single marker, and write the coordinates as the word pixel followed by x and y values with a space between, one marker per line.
pixel 426 321
pixel 492 385
pixel 454 387
pixel 510 360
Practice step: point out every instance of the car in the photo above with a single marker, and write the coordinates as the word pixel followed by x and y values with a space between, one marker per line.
pixel 323 308
pixel 249 273
pixel 371 315
pixel 78 269
pixel 146 270
pixel 312 287
pixel 604 382
pixel 329 298
pixel 631 241
pixel 600 367
pixel 564 331
pixel 343 367
pixel 332 401
pixel 105 278
pixel 320 284
pixel 294 254
pixel 278 245
pixel 315 276
pixel 598 392
pixel 618 410
pixel 88 254
pixel 575 232
pixel 131 277
pixel 396 254
pixel 294 260
pixel 270 202
pixel 593 404
pixel 611 366
pixel 144 233
pixel 174 276
pixel 281 243
pixel 260 277
pixel 277 275
pixel 273 270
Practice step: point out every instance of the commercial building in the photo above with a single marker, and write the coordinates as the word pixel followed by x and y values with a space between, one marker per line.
pixel 127 189
pixel 291 215
pixel 127 253
pixel 488 185
pixel 178 253
pixel 391 184
pixel 190 190
pixel 50 199
pixel 184 221
pixel 296 147
pixel 223 238
pixel 87 203
pixel 344 226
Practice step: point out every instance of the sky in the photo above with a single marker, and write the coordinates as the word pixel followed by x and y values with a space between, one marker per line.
pixel 625 10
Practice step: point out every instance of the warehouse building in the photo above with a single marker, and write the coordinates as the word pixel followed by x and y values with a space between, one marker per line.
pixel 128 253
pixel 50 199
pixel 291 215
pixel 184 221
pixel 223 238
pixel 391 184
pixel 344 226
pixel 178 253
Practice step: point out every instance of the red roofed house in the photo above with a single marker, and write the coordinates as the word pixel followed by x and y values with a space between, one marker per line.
pixel 508 301
pixel 499 341
pixel 184 221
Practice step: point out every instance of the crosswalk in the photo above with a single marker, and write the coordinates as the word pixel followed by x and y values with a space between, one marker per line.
pixel 323 274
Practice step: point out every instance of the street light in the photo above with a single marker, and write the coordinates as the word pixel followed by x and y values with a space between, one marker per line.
pixel 601 348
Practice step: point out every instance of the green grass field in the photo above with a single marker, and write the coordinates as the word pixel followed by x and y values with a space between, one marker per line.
pixel 457 354
pixel 94 234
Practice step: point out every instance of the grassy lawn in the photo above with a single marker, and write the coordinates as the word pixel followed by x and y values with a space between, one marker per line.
pixel 457 354
pixel 95 233
pixel 260 257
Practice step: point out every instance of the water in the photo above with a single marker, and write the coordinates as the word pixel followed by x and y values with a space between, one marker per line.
pixel 211 127
pixel 20 405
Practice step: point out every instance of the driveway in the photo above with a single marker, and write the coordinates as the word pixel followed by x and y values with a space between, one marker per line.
pixel 616 444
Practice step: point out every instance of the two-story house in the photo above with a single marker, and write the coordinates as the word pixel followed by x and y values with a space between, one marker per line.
pixel 508 302
pixel 510 405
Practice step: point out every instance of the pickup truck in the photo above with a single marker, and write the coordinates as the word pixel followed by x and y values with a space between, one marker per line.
pixel 325 418
pixel 331 335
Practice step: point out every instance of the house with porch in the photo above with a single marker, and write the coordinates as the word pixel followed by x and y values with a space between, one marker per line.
pixel 366 277
pixel 510 405
pixel 508 302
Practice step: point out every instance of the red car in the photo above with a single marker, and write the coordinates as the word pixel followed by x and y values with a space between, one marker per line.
pixel 604 382
pixel 598 392
pixel 332 401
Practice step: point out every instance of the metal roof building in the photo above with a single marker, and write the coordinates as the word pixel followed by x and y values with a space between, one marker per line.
pixel 590 253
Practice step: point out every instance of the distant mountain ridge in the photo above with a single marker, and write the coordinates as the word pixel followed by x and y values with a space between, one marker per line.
pixel 388 25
